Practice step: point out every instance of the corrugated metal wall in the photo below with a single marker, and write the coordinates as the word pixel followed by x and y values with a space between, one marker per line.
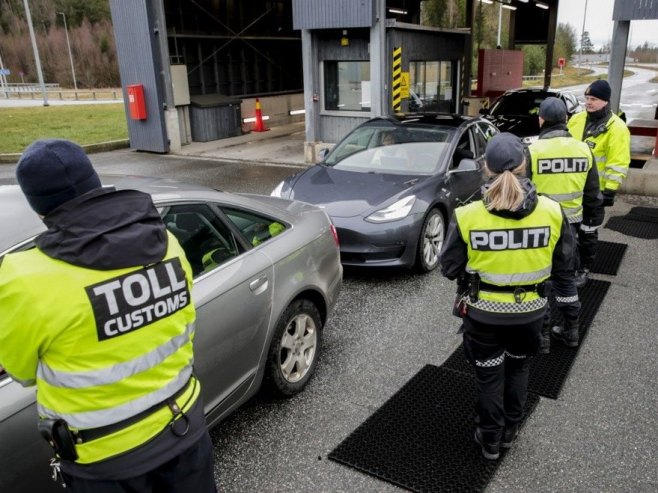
pixel 328 14
pixel 628 10
pixel 139 63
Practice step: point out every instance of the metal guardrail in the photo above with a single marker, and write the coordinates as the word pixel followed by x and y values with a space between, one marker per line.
pixel 19 87
pixel 32 91
pixel 538 77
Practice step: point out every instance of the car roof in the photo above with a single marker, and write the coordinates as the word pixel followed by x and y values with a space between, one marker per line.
pixel 18 220
pixel 426 118
pixel 536 90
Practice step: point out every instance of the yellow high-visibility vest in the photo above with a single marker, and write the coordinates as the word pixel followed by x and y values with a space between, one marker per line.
pixel 510 252
pixel 611 148
pixel 102 346
pixel 559 170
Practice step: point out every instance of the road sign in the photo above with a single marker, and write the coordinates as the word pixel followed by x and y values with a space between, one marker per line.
pixel 561 62
pixel 5 71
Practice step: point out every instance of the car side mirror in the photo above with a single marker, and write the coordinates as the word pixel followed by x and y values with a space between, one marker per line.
pixel 322 153
pixel 464 165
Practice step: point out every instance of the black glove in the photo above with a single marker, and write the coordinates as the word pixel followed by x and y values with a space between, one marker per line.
pixel 608 198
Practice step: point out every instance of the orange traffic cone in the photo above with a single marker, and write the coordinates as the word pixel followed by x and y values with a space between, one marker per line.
pixel 259 126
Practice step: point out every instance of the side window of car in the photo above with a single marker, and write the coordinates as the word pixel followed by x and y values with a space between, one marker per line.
pixel 464 148
pixel 487 130
pixel 480 140
pixel 206 240
pixel 256 229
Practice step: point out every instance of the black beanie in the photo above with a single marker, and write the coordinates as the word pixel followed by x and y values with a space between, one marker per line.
pixel 52 172
pixel 599 89
pixel 504 152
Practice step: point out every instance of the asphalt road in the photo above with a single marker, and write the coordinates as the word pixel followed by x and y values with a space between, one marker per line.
pixel 599 436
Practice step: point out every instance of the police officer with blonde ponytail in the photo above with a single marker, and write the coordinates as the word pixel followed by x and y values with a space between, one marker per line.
pixel 99 317
pixel 502 249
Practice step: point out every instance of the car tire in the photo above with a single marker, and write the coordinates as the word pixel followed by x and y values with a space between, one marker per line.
pixel 430 241
pixel 294 350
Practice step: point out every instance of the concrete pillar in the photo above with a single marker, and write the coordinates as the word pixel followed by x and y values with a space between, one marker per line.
pixel 312 103
pixel 617 61
pixel 379 84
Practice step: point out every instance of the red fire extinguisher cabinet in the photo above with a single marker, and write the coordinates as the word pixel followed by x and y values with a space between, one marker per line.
pixel 136 101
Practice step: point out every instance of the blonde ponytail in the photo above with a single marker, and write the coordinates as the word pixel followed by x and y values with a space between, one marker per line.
pixel 505 192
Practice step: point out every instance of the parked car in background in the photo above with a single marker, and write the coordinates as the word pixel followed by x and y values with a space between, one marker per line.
pixel 267 274
pixel 517 110
pixel 392 183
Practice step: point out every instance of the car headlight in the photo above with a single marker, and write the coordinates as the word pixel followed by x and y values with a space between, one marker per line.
pixel 393 212
pixel 278 191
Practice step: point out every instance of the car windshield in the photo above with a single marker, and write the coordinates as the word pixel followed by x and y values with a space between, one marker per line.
pixel 520 104
pixel 416 150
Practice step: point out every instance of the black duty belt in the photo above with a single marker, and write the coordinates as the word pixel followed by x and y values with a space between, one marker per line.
pixel 493 288
pixel 82 436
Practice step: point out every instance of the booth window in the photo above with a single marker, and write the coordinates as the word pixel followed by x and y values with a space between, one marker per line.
pixel 346 86
pixel 431 81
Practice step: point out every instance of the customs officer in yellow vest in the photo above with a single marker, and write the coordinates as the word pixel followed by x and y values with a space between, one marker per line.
pixel 99 317
pixel 502 249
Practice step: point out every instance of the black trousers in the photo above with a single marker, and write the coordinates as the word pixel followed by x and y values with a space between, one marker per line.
pixel 587 246
pixel 191 471
pixel 501 357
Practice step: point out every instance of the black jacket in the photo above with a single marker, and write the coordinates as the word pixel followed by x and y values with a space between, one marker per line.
pixel 105 229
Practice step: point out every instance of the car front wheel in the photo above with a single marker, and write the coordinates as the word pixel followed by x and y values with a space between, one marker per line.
pixel 294 350
pixel 430 242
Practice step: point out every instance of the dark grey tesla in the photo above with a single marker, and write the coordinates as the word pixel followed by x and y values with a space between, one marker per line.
pixel 391 184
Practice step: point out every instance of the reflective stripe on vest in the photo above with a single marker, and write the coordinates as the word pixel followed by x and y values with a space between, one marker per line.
pixel 509 252
pixel 559 170
pixel 116 372
pixel 104 417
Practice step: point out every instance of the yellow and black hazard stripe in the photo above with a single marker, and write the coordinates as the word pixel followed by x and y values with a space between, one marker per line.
pixel 397 79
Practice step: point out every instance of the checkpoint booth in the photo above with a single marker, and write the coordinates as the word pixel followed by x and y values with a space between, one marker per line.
pixel 368 61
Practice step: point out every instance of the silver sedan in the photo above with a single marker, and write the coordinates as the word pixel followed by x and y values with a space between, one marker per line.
pixel 267 273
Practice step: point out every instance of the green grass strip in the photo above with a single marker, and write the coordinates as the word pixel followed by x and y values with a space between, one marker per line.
pixel 84 124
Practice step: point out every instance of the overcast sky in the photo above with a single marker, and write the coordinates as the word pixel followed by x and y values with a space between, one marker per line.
pixel 599 22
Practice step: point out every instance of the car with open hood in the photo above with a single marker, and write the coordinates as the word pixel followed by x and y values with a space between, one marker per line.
pixel 517 111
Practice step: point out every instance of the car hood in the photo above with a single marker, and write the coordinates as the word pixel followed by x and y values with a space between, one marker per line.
pixel 520 125
pixel 345 193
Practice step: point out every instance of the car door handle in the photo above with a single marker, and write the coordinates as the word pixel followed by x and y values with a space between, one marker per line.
pixel 258 285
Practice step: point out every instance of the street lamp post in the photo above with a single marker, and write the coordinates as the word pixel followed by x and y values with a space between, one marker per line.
pixel 35 49
pixel 582 35
pixel 68 44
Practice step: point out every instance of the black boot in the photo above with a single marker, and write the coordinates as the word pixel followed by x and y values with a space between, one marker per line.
pixel 490 451
pixel 510 434
pixel 568 334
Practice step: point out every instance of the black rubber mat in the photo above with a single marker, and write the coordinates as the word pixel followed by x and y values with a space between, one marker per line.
pixel 421 439
pixel 648 213
pixel 640 222
pixel 548 372
pixel 632 226
pixel 608 257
